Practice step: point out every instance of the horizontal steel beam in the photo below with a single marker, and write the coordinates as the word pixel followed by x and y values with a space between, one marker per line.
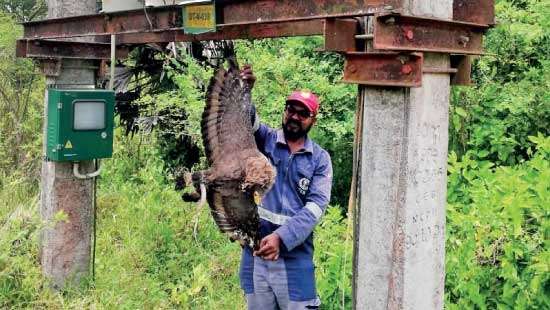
pixel 384 69
pixel 239 12
pixel 230 14
pixel 260 31
pixel 137 21
pixel 61 49
pixel 407 33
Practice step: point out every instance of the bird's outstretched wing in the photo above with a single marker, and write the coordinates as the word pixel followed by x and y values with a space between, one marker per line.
pixel 229 144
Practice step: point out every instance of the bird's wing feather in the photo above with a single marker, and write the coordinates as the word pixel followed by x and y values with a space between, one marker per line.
pixel 229 142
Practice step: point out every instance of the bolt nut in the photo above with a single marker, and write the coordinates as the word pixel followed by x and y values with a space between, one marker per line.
pixel 464 40
pixel 406 69
pixel 409 34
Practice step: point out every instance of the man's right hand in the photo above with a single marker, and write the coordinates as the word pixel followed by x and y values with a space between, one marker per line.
pixel 248 75
pixel 269 247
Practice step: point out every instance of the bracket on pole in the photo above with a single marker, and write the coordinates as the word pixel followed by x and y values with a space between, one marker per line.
pixel 408 33
pixel 474 11
pixel 340 34
pixel 463 65
pixel 384 69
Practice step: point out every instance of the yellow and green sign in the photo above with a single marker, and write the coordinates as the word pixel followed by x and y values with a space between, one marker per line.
pixel 199 18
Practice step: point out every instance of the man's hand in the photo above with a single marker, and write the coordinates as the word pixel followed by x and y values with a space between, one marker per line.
pixel 247 75
pixel 269 247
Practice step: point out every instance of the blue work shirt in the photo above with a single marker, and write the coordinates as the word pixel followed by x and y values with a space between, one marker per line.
pixel 292 209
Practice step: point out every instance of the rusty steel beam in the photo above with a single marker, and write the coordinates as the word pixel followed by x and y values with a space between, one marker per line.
pixel 384 69
pixel 61 49
pixel 46 49
pixel 258 31
pixel 136 21
pixel 340 34
pixel 474 11
pixel 254 13
pixel 239 12
pixel 406 33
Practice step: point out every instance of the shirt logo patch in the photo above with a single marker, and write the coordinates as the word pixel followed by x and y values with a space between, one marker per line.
pixel 303 186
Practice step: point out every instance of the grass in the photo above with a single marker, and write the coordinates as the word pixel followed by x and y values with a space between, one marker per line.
pixel 149 254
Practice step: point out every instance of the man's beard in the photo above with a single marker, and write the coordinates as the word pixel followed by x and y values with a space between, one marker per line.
pixel 292 135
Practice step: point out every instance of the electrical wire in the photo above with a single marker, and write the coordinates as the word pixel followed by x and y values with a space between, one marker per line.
pixel 94 223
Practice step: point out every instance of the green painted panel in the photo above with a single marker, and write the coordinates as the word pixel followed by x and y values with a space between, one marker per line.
pixel 79 124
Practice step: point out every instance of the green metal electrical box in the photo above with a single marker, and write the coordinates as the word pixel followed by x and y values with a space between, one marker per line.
pixel 79 124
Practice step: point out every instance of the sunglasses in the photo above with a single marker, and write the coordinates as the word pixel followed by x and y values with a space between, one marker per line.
pixel 302 114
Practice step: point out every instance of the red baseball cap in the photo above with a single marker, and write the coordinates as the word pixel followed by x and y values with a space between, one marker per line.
pixel 307 98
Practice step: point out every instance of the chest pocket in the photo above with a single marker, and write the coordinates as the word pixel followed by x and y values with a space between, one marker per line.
pixel 302 180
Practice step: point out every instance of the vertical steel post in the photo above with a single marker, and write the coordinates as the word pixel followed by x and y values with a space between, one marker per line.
pixel 65 245
pixel 399 249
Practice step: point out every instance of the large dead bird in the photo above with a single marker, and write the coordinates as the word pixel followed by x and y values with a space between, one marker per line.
pixel 239 174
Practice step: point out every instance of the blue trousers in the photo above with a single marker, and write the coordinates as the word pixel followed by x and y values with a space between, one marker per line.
pixel 271 288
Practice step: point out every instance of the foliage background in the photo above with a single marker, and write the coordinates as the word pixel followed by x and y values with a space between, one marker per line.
pixel 150 255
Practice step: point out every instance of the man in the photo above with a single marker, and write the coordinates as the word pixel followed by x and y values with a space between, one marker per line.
pixel 281 274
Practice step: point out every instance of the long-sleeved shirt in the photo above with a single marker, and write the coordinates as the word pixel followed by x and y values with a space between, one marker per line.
pixel 292 208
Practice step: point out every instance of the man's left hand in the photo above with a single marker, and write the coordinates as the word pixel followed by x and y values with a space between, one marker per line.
pixel 248 75
pixel 269 247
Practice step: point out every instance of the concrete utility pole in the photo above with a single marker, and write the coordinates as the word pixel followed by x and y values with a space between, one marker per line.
pixel 399 258
pixel 65 246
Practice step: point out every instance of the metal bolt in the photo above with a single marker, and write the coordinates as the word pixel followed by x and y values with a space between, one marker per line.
pixel 406 69
pixel 390 21
pixel 403 59
pixel 464 40
pixel 409 34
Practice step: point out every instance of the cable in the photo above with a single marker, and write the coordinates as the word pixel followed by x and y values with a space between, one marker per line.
pixel 94 223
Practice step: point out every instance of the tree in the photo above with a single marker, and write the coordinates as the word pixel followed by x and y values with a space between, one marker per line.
pixel 24 10
pixel 21 90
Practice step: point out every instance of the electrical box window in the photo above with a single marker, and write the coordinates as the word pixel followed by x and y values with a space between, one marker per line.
pixel 89 115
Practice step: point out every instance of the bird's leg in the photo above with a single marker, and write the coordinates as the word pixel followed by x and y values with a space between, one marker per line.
pixel 198 181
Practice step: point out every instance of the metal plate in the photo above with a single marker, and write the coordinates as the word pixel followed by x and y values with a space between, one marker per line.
pixel 384 69
pixel 199 18
pixel 463 64
pixel 474 11
pixel 407 33
pixel 340 34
